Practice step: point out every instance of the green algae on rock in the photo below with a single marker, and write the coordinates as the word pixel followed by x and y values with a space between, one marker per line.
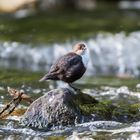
pixel 61 107
pixel 105 110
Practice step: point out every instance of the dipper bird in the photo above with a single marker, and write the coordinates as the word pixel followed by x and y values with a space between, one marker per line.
pixel 69 67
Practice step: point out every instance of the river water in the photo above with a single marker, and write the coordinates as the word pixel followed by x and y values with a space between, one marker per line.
pixel 121 128
pixel 110 54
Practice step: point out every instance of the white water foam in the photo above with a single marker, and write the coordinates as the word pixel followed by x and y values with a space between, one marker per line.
pixel 117 54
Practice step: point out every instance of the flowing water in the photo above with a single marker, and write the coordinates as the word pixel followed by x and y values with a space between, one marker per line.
pixel 110 54
pixel 103 89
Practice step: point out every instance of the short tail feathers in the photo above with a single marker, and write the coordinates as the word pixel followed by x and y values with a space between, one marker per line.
pixel 42 79
pixel 48 77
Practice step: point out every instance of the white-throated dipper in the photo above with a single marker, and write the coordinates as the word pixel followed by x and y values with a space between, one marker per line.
pixel 69 67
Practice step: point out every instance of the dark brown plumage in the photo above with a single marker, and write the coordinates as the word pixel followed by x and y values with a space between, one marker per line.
pixel 69 67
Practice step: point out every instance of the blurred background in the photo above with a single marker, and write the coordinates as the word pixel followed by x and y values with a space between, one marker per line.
pixel 34 33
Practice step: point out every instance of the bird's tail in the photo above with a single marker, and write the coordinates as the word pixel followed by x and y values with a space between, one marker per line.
pixel 48 77
pixel 42 79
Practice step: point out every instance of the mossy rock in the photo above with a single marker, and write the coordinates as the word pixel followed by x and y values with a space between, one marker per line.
pixel 62 107
pixel 127 113
pixel 105 110
pixel 58 107
pixel 99 111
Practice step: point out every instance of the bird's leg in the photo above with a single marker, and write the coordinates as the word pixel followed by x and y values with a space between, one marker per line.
pixel 75 88
pixel 52 84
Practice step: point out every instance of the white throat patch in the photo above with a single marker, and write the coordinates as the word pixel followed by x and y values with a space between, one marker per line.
pixel 85 58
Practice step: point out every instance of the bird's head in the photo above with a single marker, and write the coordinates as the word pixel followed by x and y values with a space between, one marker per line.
pixel 80 48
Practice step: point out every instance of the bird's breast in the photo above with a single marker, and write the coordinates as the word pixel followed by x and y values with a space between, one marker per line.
pixel 85 59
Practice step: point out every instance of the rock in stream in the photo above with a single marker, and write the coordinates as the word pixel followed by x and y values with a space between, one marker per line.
pixel 56 108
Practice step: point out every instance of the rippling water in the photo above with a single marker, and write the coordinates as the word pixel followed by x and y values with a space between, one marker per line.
pixel 117 54
pixel 11 129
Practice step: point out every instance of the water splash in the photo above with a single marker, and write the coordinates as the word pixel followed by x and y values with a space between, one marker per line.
pixel 84 129
pixel 109 54
pixel 91 129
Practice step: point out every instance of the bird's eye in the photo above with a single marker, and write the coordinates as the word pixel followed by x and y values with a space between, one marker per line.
pixel 82 46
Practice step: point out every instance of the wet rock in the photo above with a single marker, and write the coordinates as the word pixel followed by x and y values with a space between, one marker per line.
pixel 126 113
pixel 58 107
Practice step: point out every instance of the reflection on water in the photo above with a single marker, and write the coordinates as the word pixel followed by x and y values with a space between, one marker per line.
pixel 109 54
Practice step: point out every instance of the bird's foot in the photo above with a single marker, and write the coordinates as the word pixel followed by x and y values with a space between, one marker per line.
pixel 77 90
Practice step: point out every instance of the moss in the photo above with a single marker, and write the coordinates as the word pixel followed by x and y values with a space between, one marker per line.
pixel 135 111
pixel 103 109
pixel 84 99
pixel 127 113
pixel 135 108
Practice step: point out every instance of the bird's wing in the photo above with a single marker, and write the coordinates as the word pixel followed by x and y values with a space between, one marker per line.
pixel 65 62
